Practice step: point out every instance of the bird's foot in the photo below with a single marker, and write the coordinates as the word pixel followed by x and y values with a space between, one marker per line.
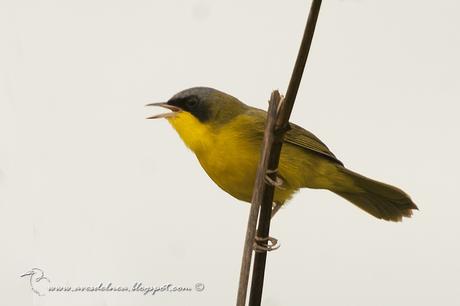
pixel 278 182
pixel 283 130
pixel 266 244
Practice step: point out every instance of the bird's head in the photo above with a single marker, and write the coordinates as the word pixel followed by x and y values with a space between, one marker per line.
pixel 207 105
pixel 198 113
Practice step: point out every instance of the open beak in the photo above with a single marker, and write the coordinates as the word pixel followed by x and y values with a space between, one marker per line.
pixel 174 110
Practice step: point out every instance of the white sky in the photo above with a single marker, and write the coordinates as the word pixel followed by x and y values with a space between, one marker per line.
pixel 92 192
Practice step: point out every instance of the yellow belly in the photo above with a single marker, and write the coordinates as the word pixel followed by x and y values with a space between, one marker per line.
pixel 230 157
pixel 233 168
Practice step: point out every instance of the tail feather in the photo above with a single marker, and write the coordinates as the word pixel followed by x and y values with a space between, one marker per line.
pixel 378 199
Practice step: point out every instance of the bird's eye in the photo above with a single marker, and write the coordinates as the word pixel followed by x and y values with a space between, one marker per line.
pixel 191 102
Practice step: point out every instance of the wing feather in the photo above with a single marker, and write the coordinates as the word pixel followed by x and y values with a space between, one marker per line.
pixel 301 137
pixel 296 136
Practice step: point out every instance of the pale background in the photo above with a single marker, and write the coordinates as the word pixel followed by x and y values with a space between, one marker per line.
pixel 92 192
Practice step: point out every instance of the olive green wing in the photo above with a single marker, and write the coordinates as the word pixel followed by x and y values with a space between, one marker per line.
pixel 300 137
pixel 296 136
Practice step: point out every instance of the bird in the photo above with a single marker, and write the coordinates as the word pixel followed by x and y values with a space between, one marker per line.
pixel 36 275
pixel 226 136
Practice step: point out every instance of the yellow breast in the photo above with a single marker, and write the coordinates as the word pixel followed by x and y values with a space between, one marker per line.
pixel 227 155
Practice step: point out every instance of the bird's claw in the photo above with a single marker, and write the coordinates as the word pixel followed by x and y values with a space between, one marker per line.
pixel 266 244
pixel 278 182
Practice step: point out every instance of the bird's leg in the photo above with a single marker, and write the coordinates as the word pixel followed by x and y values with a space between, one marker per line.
pixel 276 208
pixel 278 182
pixel 266 244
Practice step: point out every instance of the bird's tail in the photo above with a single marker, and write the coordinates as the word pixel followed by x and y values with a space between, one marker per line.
pixel 378 199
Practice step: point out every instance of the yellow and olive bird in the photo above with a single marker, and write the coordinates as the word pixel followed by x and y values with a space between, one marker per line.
pixel 226 136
